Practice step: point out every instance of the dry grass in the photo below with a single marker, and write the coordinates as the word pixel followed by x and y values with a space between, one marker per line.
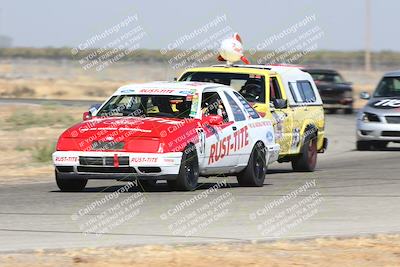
pixel 383 250
pixel 28 134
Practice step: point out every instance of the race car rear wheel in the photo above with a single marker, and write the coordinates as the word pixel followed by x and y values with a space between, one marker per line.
pixel 70 182
pixel 254 173
pixel 307 160
pixel 188 176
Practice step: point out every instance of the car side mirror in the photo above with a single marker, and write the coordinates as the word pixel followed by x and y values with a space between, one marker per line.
pixel 213 119
pixel 280 103
pixel 365 95
pixel 87 115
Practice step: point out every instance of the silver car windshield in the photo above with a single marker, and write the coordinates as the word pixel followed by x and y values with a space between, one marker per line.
pixel 388 87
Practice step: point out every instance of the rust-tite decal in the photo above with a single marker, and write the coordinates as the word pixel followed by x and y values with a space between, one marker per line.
pixel 231 143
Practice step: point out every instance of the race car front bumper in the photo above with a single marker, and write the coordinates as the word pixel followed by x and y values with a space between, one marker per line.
pixel 116 165
pixel 377 131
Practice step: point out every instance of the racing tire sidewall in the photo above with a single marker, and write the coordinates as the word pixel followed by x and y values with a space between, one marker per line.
pixel 307 160
pixel 187 179
pixel 70 182
pixel 254 173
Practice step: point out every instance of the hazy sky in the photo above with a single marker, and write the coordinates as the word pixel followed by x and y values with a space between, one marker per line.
pixel 55 23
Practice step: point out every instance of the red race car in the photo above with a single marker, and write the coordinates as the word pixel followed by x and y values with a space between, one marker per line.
pixel 172 131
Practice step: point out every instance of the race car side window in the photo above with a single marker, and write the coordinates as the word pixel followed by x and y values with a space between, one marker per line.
pixel 211 104
pixel 236 110
pixel 252 112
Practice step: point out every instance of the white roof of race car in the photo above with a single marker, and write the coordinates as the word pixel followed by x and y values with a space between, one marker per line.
pixel 167 88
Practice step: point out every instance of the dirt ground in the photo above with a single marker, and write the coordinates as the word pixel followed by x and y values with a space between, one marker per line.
pixel 382 250
pixel 28 134
pixel 65 79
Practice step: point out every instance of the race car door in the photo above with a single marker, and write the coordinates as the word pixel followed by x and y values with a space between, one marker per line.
pixel 219 143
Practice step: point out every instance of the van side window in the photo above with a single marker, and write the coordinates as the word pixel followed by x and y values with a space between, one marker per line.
pixel 306 91
pixel 274 89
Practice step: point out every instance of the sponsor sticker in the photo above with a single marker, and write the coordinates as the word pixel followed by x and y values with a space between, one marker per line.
pixel 387 103
pixel 270 137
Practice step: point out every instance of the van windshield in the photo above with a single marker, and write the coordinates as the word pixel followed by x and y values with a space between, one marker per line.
pixel 250 86
pixel 388 87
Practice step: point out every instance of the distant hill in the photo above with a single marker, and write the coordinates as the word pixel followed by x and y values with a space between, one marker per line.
pixel 352 59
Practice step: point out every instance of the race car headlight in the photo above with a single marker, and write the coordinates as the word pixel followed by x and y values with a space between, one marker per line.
pixel 370 117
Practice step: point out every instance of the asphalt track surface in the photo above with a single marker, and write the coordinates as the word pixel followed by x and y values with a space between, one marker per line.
pixel 350 193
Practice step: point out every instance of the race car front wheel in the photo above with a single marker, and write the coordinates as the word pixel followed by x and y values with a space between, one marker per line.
pixel 254 173
pixel 70 182
pixel 307 160
pixel 188 176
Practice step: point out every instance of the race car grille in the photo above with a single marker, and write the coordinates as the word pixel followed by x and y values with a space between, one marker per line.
pixel 393 119
pixel 100 145
pixel 65 168
pixel 391 133
pixel 103 161
pixel 150 169
pixel 106 169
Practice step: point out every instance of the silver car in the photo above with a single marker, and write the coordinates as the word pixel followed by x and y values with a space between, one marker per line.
pixel 378 123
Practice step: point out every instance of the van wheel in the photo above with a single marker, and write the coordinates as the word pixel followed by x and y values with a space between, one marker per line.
pixel 70 182
pixel 307 160
pixel 188 176
pixel 254 173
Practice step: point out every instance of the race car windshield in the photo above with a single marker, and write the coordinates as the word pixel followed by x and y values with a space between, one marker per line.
pixel 388 87
pixel 148 106
pixel 251 87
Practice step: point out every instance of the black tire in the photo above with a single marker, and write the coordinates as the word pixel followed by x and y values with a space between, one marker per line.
pixel 254 173
pixel 70 182
pixel 331 110
pixel 348 111
pixel 146 185
pixel 188 176
pixel 307 160
pixel 364 145
pixel 380 145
